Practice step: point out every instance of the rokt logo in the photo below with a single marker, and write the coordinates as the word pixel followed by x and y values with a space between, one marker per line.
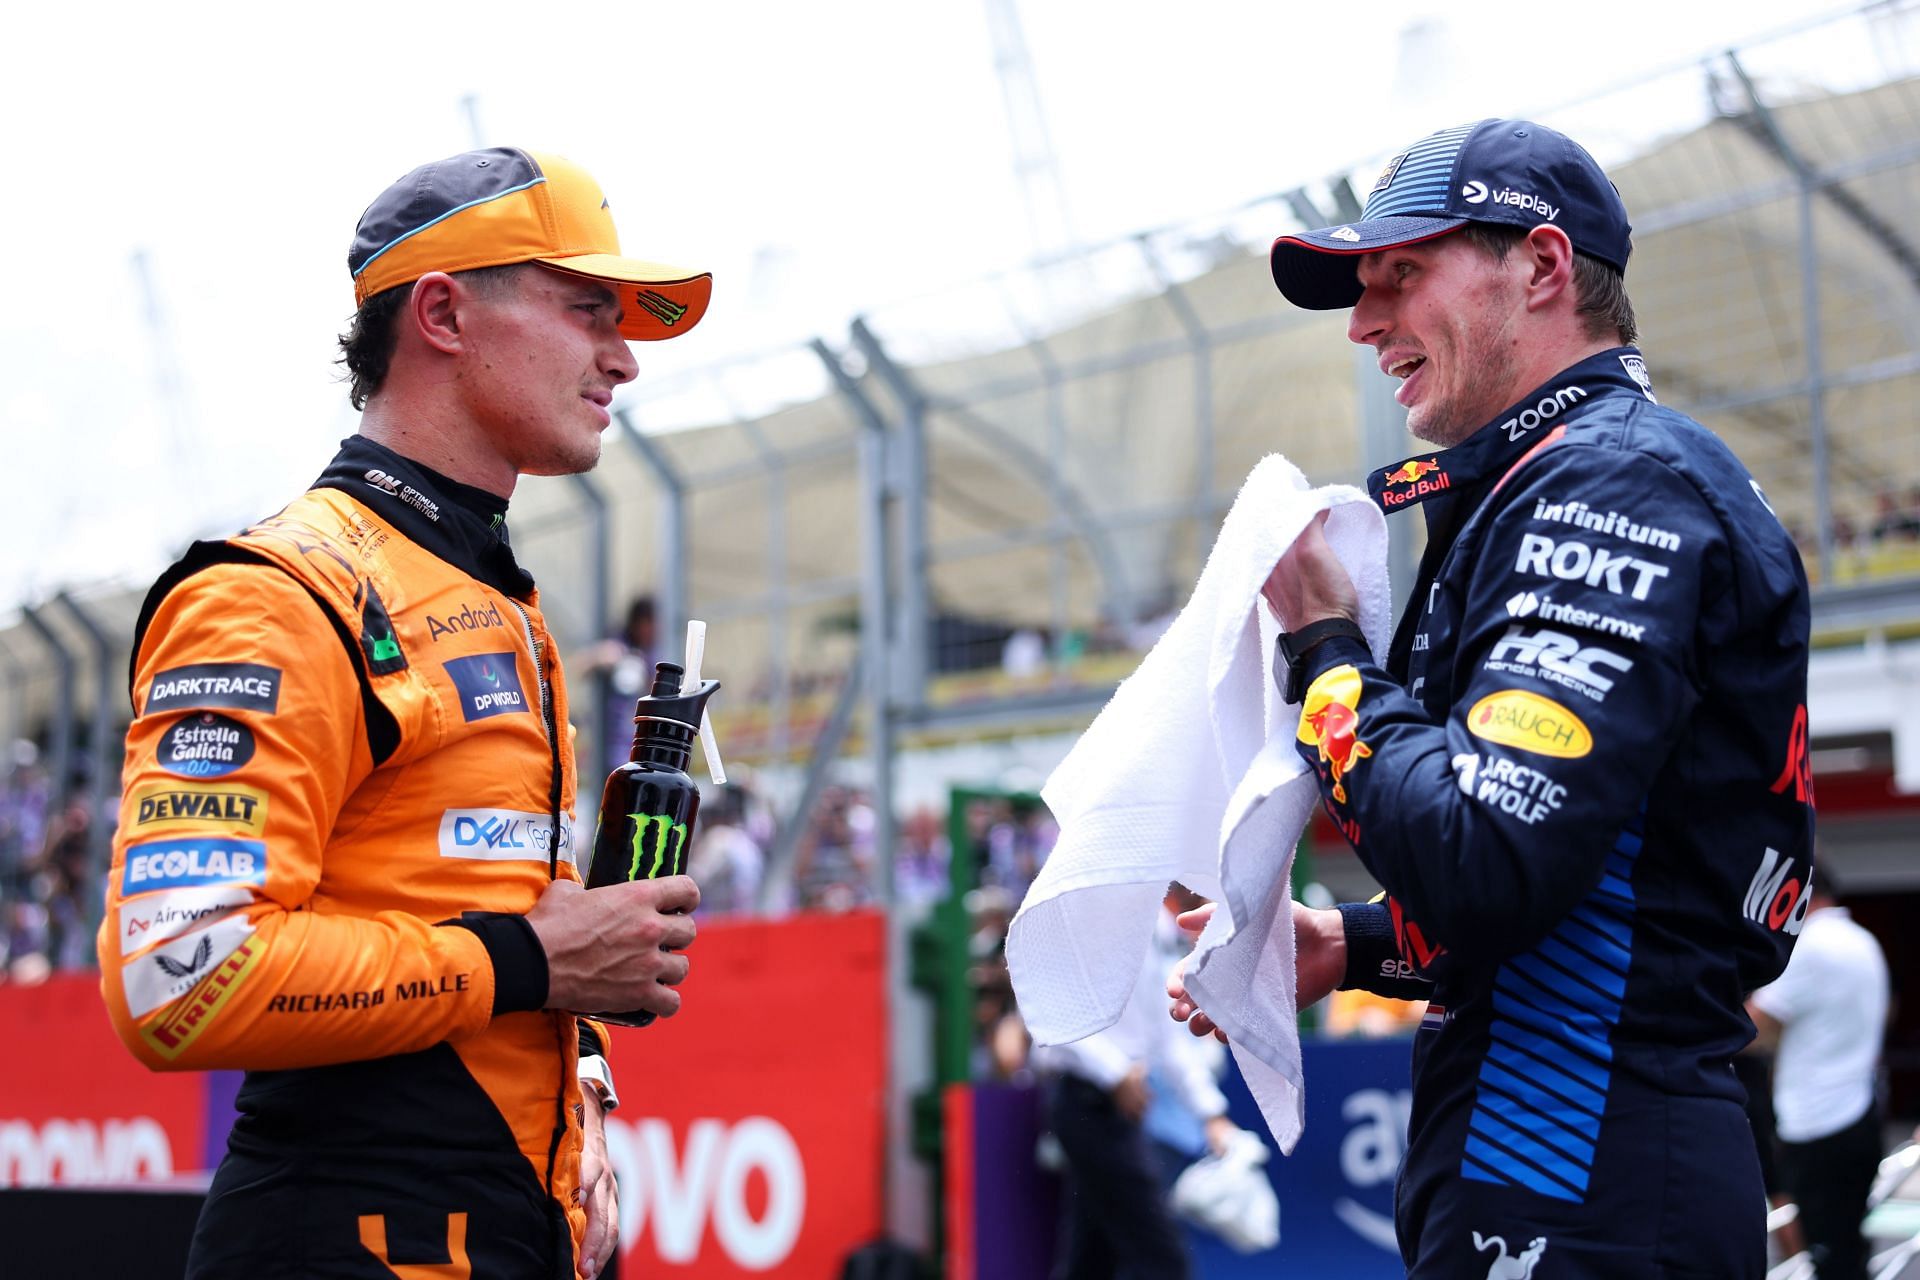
pixel 1578 562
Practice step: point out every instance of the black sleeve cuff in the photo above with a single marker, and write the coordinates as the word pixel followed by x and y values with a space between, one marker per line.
pixel 1374 962
pixel 1333 652
pixel 519 961
pixel 1369 930
pixel 590 1045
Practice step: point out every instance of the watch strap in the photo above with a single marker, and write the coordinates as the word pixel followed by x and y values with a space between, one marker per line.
pixel 1296 645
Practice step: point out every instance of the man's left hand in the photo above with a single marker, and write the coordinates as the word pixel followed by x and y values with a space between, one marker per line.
pixel 598 1191
pixel 1310 584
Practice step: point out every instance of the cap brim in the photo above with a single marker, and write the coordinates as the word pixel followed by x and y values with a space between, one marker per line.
pixel 1316 269
pixel 659 301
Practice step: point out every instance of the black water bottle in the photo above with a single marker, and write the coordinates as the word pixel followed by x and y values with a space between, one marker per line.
pixel 648 808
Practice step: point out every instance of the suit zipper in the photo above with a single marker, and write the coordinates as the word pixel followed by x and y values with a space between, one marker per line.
pixel 553 739
pixel 553 873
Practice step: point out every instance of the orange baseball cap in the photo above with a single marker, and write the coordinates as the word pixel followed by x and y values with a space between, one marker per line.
pixel 503 205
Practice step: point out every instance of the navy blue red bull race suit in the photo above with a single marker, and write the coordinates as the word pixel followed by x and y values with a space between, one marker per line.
pixel 1582 779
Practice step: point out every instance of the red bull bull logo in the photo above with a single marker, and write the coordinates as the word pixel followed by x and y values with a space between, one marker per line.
pixel 1330 721
pixel 1422 474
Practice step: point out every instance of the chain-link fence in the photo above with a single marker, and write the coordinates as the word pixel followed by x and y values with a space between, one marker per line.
pixel 972 513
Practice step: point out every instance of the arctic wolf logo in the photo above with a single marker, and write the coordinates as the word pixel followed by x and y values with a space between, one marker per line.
pixel 1517 1267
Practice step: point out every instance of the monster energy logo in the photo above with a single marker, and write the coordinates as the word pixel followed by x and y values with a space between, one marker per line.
pixel 660 307
pixel 661 862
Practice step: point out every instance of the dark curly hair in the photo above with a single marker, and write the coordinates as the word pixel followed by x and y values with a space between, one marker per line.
pixel 366 348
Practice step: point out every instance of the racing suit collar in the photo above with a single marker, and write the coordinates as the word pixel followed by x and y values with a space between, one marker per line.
pixel 464 526
pixel 1521 426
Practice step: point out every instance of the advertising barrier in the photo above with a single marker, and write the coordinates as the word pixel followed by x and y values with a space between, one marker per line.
pixel 1335 1190
pixel 749 1139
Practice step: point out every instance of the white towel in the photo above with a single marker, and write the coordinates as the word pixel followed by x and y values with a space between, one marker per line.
pixel 1190 774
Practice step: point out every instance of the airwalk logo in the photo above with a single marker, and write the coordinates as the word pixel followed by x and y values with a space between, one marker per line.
pixel 657 856
pixel 488 685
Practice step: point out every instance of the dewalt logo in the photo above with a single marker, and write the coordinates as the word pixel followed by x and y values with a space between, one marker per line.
pixel 234 809
pixel 655 857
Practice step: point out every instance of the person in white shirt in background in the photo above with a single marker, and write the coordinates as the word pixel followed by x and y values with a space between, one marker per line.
pixel 1826 1015
pixel 1115 1223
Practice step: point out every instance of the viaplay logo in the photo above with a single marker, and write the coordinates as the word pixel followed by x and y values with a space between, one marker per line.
pixel 488 685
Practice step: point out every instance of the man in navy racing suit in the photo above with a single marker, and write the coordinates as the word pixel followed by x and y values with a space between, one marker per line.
pixel 1581 775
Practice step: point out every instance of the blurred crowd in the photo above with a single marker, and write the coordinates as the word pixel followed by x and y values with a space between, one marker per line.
pixel 49 890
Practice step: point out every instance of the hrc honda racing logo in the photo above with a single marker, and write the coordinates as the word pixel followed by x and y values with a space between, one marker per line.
pixel 488 685
pixel 1560 659
pixel 503 835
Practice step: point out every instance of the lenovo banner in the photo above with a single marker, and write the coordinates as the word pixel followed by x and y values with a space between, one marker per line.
pixel 749 1137
pixel 748 1141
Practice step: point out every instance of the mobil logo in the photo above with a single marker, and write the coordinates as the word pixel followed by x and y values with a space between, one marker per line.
pixel 488 684
pixel 744 1179
pixel 1330 722
pixel 1779 894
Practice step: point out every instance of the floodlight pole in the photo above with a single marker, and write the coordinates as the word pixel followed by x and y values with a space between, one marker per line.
pixel 60 746
pixel 1810 312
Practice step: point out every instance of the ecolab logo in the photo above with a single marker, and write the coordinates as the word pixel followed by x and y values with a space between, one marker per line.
pixel 708 1183
pixel 1477 193
pixel 76 1153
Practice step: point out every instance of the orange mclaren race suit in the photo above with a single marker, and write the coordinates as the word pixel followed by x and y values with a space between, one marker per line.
pixel 346 783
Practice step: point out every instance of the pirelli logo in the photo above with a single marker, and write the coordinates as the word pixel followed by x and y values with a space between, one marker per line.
pixel 188 1017
pixel 230 808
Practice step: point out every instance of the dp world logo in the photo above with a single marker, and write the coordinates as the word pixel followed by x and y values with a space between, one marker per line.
pixel 1475 192
pixel 488 685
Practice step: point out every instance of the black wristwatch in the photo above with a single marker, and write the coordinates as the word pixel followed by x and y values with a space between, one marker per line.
pixel 1296 645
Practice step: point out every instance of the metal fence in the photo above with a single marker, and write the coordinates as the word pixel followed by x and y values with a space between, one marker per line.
pixel 969 514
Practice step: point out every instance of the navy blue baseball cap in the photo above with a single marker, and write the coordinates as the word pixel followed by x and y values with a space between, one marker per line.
pixel 1513 172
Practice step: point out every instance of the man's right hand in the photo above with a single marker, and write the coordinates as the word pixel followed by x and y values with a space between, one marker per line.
pixel 1319 963
pixel 617 947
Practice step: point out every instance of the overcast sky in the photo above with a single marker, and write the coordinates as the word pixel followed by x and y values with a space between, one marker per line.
pixel 821 159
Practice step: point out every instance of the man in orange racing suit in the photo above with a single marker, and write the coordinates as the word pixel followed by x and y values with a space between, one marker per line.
pixel 345 860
